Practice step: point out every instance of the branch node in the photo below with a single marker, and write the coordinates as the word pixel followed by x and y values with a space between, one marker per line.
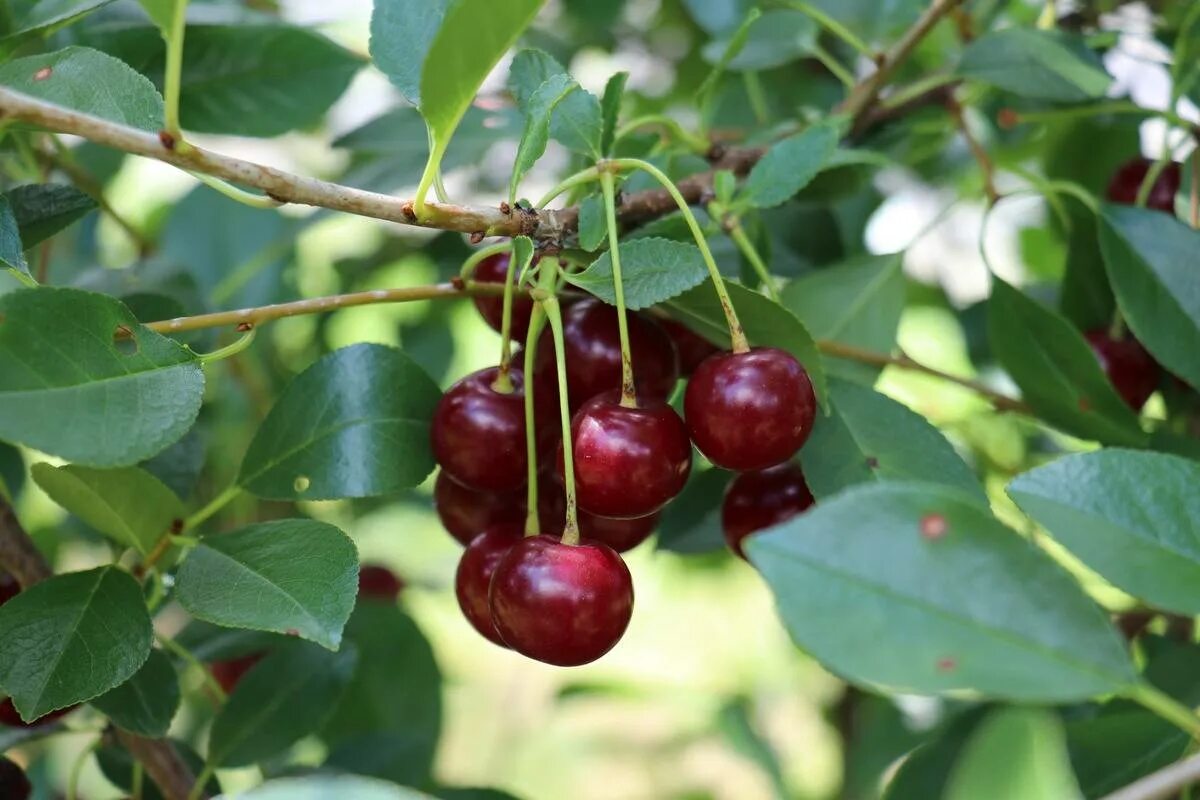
pixel 505 208
pixel 458 283
pixel 167 139
pixel 244 327
pixel 407 210
pixel 476 237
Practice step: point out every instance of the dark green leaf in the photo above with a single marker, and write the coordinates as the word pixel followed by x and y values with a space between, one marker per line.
pixel 610 108
pixel 12 472
pixel 692 521
pixel 44 209
pixel 370 438
pixel 537 126
pixel 133 397
pixel 652 271
pixel 943 597
pixel 1037 64
pixel 789 166
pixel 593 227
pixel 778 37
pixel 117 765
pixel 401 34
pixel 1015 752
pixel 925 771
pixel 12 253
pixel 72 638
pixel 46 16
pixel 323 787
pixel 146 703
pixel 1120 745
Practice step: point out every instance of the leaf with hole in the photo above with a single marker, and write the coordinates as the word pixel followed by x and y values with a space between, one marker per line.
pixel 652 271
pixel 146 703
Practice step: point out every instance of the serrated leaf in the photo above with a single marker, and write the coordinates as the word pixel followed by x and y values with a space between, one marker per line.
pixel 87 80
pixel 577 122
pixel 1015 752
pixel 593 229
pixel 322 787
pixel 652 271
pixel 765 322
pixel 1057 371
pixel 46 16
pixel 12 253
pixel 283 698
pixel 870 437
pixel 294 576
pixel 71 638
pixel 778 37
pixel 789 166
pixel 530 69
pixel 537 127
pixel 146 703
pixel 401 34
pixel 1133 517
pixel 131 400
pixel 44 209
pixel 944 598
pixel 1036 64
pixel 129 505
pixel 610 110
pixel 1151 261
pixel 370 438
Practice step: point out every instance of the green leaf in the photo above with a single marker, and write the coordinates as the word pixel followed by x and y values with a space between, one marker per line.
pixel 577 122
pixel 537 127
pixel 473 37
pixel 944 599
pixel 1015 752
pixel 733 45
pixel 132 397
pixel 789 166
pixel 323 787
pixel 1121 744
pixel 858 303
pixel 254 578
pixel 146 703
pixel 129 504
pixel 72 638
pixel 1133 517
pixel 610 110
pixel 282 699
pixel 692 521
pixel 1057 371
pixel 530 69
pixel 12 253
pixel 924 772
pixel 44 209
pixel 1151 262
pixel 161 12
pixel 370 438
pixel 46 16
pixel 778 37
pixel 765 322
pixel 402 32
pixel 12 472
pixel 1036 64
pixel 652 271
pixel 89 81
pixel 870 437
pixel 593 227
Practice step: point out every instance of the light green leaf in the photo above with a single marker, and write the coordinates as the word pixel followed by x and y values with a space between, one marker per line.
pixel 146 703
pixel 43 17
pixel 293 576
pixel 1015 752
pixel 44 209
pixel 161 12
pixel 72 638
pixel 12 253
pixel 610 108
pixel 789 166
pixel 593 228
pixel 652 271
pixel 128 504
pixel 530 69
pixel 401 34
pixel 1036 64
pixel 537 127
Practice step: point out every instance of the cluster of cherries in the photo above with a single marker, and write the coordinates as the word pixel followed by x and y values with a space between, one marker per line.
pixel 566 602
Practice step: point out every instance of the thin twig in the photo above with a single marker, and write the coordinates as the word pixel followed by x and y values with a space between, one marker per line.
pixel 977 150
pixel 88 184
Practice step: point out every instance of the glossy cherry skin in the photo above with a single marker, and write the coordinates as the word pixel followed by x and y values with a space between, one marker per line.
pixel 478 433
pixel 14 784
pixel 9 588
pixel 230 671
pixel 629 462
pixel 562 604
pixel 621 535
pixel 377 582
pixel 691 346
pixel 755 501
pixel 1124 185
pixel 750 411
pixel 494 269
pixel 465 513
pixel 593 355
pixel 474 576
pixel 10 717
pixel 1132 371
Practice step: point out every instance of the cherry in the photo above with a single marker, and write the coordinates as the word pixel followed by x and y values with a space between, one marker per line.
pixel 474 576
pixel 757 500
pixel 593 355
pixel 478 433
pixel 10 717
pixel 465 512
pixel 14 784
pixel 749 411
pixel 621 535
pixel 560 603
pixel 629 462
pixel 1132 371
pixel 9 588
pixel 230 671
pixel 692 347
pixel 1125 182
pixel 377 582
pixel 494 269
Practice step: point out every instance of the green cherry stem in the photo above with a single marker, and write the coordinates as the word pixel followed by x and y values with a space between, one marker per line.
pixel 173 74
pixel 234 193
pixel 231 349
pixel 736 335
pixel 503 383
pixel 215 505
pixel 1166 707
pixel 693 142
pixel 468 268
pixel 189 658
pixel 628 390
pixel 571 531
pixel 578 179
pixel 77 767
pixel 733 225
pixel 537 321
pixel 202 780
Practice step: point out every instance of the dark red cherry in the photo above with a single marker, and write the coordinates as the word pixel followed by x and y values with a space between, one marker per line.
pixel 1124 185
pixel 757 500
pixel 377 582
pixel 493 269
pixel 559 603
pixel 474 576
pixel 621 535
pixel 10 717
pixel 1132 371
pixel 691 346
pixel 230 671
pixel 14 784
pixel 629 462
pixel 9 588
pixel 465 513
pixel 750 411
pixel 478 433
pixel 593 354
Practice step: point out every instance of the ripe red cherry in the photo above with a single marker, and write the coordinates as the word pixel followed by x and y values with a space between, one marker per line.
pixel 559 603
pixel 10 717
pixel 474 576
pixel 230 671
pixel 376 582
pixel 1132 371
pixel 621 535
pixel 479 433
pixel 750 411
pixel 465 512
pixel 9 588
pixel 629 462
pixel 14 784
pixel 757 500
pixel 691 346
pixel 593 354
pixel 1124 185
pixel 493 269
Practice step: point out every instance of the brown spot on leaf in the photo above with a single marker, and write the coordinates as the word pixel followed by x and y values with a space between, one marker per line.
pixel 177 525
pixel 947 664
pixel 933 526
pixel 43 73
pixel 872 462
pixel 293 632
pixel 1085 405
pixel 1008 118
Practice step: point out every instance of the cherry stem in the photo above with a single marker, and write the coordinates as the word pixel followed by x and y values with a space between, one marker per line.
pixel 694 142
pixel 468 268
pixel 215 505
pixel 733 226
pixel 503 383
pixel 229 350
pixel 628 389
pixel 172 79
pixel 189 658
pixel 537 321
pixel 571 531
pixel 736 335
pixel 1166 707
pixel 578 179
